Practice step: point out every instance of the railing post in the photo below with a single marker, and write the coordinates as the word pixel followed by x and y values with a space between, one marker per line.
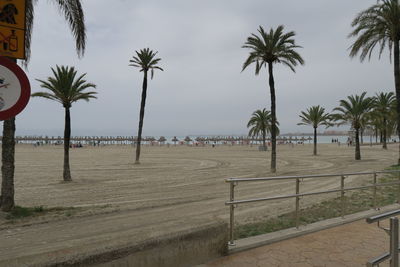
pixel 342 200
pixel 394 242
pixel 232 214
pixel 374 197
pixel 297 203
pixel 398 190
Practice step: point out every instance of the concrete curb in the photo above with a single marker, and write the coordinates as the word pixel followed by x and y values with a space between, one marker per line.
pixel 265 239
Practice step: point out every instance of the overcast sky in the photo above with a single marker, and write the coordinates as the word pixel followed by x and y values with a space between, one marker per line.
pixel 202 90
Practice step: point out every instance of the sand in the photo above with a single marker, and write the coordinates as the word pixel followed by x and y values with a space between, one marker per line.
pixel 173 189
pixel 174 175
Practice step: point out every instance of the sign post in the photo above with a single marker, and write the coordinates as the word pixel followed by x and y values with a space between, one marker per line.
pixel 12 28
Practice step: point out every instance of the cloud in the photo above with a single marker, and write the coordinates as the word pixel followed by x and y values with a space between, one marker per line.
pixel 202 90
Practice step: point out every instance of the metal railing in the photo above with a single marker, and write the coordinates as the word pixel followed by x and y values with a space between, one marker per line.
pixel 393 232
pixel 233 203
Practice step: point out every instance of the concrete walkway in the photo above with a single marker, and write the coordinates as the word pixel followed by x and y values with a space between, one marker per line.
pixel 350 245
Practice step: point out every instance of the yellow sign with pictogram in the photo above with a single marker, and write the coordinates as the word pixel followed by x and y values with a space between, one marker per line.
pixel 12 28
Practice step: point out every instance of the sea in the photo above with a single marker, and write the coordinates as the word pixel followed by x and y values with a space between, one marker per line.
pixel 213 139
pixel 321 139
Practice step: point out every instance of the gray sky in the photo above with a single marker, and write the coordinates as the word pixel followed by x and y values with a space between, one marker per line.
pixel 202 90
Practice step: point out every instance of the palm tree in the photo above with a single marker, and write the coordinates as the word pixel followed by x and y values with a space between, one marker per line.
pixel 260 123
pixel 66 88
pixel 353 111
pixel 265 50
pixel 73 14
pixel 379 25
pixel 146 61
pixel 383 106
pixel 315 116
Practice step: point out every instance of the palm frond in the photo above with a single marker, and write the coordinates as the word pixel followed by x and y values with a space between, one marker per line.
pixel 30 14
pixel 73 14
pixel 145 60
pixel 273 47
pixel 378 25
pixel 260 122
pixel 353 110
pixel 65 87
pixel 315 116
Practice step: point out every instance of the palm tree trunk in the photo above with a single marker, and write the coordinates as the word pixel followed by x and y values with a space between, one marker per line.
pixel 7 158
pixel 7 168
pixel 358 153
pixel 273 118
pixel 370 139
pixel 384 134
pixel 67 137
pixel 315 141
pixel 141 117
pixel 396 60
pixel 264 143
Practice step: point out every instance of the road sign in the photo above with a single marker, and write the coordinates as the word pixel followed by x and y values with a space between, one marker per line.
pixel 15 89
pixel 12 28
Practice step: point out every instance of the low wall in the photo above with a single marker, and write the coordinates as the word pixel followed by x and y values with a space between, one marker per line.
pixel 186 248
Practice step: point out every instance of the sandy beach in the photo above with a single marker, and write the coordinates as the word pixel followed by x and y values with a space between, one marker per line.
pixel 194 176
pixel 173 189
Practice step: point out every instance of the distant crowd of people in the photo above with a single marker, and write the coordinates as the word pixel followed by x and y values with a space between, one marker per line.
pixel 335 141
pixel 349 141
pixel 76 145
pixel 58 143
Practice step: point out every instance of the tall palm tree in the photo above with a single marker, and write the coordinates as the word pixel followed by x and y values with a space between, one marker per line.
pixel 353 111
pixel 265 50
pixel 260 123
pixel 379 25
pixel 383 106
pixel 315 116
pixel 66 88
pixel 73 14
pixel 146 61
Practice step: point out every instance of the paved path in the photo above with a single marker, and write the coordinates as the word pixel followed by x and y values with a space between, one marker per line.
pixel 350 245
